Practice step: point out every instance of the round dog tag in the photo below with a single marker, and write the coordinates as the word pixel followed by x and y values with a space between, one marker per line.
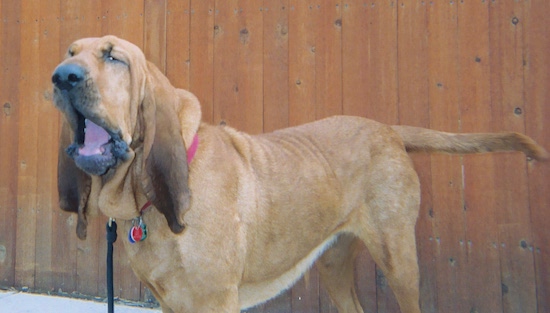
pixel 138 232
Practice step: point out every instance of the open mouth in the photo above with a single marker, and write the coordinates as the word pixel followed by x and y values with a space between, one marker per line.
pixel 96 150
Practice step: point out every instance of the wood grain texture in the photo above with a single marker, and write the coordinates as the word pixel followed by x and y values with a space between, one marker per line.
pixel 201 49
pixel 276 57
pixel 238 69
pixel 482 232
pixel 50 251
pixel 447 180
pixel 177 47
pixel 328 59
pixel 10 36
pixel 536 27
pixel 482 263
pixel 27 160
pixel 155 32
pixel 301 66
pixel 517 265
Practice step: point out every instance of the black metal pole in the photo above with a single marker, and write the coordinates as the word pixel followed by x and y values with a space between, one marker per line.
pixel 111 238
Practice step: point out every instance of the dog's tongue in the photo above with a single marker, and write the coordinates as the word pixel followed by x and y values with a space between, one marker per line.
pixel 94 138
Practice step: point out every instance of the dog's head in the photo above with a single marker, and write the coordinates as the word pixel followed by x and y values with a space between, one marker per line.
pixel 122 120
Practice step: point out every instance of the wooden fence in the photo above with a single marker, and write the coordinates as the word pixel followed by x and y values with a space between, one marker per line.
pixel 454 65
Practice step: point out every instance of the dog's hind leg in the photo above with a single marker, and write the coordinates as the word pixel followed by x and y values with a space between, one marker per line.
pixel 387 225
pixel 335 268
pixel 395 255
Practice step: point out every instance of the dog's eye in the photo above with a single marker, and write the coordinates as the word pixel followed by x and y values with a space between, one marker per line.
pixel 112 59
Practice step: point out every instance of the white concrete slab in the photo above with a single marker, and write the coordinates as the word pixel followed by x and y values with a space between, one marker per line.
pixel 22 302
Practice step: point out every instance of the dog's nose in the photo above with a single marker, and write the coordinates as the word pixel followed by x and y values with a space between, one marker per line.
pixel 67 76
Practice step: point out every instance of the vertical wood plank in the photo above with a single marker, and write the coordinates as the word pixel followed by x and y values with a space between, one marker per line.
pixel 10 36
pixel 517 265
pixel 305 295
pixel 25 261
pixel 281 303
pixel 226 38
pixel 536 94
pixel 355 57
pixel 413 110
pixel 125 19
pixel 225 61
pixel 250 83
pixel 483 270
pixel 54 261
pixel 276 58
pixel 238 58
pixel 328 59
pixel 370 67
pixel 154 35
pixel 79 19
pixel 201 80
pixel 301 66
pixel 517 269
pixel 446 170
pixel 178 16
pixel 507 84
pixel 250 70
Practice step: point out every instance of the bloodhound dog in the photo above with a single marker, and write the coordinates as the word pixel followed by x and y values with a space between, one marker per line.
pixel 233 219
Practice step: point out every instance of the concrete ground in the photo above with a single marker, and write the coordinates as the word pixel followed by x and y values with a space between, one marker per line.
pixel 13 301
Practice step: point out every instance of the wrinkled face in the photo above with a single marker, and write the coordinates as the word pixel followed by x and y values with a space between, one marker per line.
pixel 94 89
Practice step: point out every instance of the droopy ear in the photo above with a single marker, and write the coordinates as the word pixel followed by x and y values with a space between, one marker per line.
pixel 73 184
pixel 165 171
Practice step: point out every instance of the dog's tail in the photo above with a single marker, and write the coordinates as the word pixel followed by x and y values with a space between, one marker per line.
pixel 418 139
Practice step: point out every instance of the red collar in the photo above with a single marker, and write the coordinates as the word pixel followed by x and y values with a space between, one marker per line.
pixel 145 206
pixel 191 151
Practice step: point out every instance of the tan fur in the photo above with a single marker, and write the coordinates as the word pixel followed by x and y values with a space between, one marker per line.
pixel 251 214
